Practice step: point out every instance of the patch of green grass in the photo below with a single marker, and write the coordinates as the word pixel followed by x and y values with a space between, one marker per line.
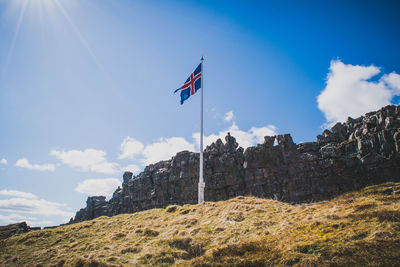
pixel 309 249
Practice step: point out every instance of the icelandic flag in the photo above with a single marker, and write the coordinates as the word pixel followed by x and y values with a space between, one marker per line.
pixel 192 84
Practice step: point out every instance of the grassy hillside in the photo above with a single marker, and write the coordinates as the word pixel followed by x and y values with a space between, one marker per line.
pixel 356 229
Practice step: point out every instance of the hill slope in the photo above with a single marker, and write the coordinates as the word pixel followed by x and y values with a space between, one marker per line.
pixel 360 228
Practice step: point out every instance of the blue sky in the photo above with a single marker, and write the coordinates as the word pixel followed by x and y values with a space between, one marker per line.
pixel 86 85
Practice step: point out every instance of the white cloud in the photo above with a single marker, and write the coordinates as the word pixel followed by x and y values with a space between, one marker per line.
pixel 24 163
pixel 164 149
pixel 229 116
pixel 3 161
pixel 34 206
pixel 98 187
pixel 31 221
pixel 349 92
pixel 131 168
pixel 11 218
pixel 22 205
pixel 130 148
pixel 88 160
pixel 15 193
pixel 245 139
pixel 393 81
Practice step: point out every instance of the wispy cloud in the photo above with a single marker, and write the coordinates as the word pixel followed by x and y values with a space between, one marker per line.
pixel 11 218
pixel 350 92
pixel 229 116
pixel 24 163
pixel 15 193
pixel 92 160
pixel 98 187
pixel 25 206
pixel 33 206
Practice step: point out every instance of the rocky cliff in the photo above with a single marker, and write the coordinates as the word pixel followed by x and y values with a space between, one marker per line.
pixel 349 156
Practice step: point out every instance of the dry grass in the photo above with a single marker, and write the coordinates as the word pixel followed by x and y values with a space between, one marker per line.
pixel 356 229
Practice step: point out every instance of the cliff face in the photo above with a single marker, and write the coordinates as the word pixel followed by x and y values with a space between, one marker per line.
pixel 351 155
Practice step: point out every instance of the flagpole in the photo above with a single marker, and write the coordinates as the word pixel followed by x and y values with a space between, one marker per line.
pixel 201 180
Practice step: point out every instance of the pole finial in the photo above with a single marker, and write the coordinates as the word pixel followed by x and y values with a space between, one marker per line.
pixel 202 58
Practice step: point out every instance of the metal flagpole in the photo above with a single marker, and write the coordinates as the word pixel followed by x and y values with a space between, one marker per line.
pixel 201 180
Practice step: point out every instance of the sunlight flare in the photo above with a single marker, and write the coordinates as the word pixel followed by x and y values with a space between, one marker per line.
pixel 77 32
pixel 37 10
pixel 15 36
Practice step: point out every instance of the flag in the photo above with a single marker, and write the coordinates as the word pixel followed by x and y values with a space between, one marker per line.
pixel 192 84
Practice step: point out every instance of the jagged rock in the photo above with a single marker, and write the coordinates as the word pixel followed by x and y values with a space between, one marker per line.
pixel 95 207
pixel 360 152
pixel 127 176
pixel 15 229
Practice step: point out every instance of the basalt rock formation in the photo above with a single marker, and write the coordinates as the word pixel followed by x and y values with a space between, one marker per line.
pixel 347 157
pixel 15 229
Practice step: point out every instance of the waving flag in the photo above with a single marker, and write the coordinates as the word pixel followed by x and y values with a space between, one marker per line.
pixel 190 87
pixel 192 84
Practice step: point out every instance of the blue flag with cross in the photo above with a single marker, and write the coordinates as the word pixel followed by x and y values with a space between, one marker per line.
pixel 192 84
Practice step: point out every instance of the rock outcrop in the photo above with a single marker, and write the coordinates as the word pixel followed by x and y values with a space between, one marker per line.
pixel 349 156
pixel 15 229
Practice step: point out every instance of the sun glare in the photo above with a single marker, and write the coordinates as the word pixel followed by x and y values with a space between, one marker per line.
pixel 51 10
